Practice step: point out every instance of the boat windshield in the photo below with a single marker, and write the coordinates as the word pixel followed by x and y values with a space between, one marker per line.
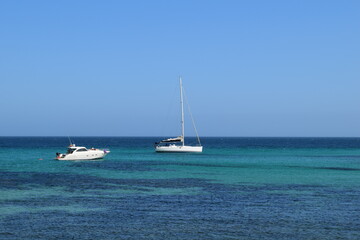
pixel 70 150
pixel 82 150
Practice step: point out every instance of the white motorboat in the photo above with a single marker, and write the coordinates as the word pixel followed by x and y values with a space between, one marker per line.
pixel 177 145
pixel 82 153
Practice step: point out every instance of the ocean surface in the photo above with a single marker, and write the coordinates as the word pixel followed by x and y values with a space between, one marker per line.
pixel 238 188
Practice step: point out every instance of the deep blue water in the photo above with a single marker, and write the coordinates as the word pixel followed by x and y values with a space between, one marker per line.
pixel 238 188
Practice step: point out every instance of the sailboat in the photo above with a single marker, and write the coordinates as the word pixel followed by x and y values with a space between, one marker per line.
pixel 177 144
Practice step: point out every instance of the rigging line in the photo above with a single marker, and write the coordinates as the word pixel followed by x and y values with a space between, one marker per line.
pixel 69 140
pixel 191 116
pixel 166 130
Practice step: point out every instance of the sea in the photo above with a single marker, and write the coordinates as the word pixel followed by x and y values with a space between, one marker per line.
pixel 238 188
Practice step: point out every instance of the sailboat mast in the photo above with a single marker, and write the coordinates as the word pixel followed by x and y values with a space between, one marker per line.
pixel 182 113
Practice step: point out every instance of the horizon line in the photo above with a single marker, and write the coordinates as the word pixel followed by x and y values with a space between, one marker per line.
pixel 89 136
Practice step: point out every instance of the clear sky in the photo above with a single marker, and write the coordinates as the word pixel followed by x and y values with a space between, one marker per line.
pixel 111 68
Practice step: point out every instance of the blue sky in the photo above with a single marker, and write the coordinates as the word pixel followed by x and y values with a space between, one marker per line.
pixel 111 68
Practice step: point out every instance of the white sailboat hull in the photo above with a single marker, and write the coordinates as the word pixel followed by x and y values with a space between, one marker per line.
pixel 178 149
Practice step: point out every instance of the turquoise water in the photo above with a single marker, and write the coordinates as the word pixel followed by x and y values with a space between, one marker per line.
pixel 238 188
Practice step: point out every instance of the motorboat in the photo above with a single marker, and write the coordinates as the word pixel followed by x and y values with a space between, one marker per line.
pixel 82 153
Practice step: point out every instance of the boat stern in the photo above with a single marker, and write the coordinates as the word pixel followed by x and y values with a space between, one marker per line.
pixel 106 152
